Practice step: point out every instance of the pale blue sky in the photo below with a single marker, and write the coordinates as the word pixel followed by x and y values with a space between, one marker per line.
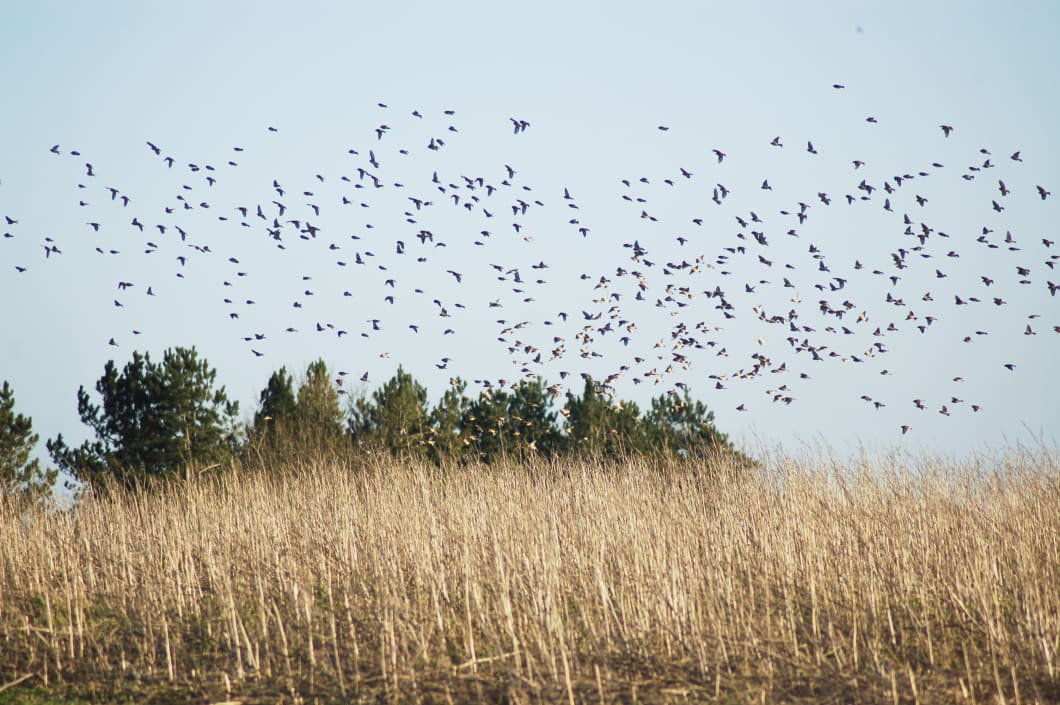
pixel 594 80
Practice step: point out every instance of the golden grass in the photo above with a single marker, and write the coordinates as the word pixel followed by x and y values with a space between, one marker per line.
pixel 572 583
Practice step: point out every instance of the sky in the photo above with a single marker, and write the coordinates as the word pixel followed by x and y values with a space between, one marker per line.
pixel 384 132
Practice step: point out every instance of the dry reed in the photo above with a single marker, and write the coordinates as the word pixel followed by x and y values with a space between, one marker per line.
pixel 571 582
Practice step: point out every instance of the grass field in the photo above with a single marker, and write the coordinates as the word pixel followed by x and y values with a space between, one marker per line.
pixel 574 582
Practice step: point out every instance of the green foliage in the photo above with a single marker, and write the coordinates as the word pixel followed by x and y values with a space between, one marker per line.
pixel 521 421
pixel 155 421
pixel 487 421
pixel 20 477
pixel 533 418
pixel 318 401
pixel 516 423
pixel 679 425
pixel 447 425
pixel 395 419
pixel 599 426
pixel 289 425
pixel 278 404
pixel 273 435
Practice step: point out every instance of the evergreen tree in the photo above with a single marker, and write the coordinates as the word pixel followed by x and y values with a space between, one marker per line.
pixel 290 425
pixel 533 426
pixel 155 421
pixel 447 434
pixel 276 421
pixel 278 406
pixel 321 420
pixel 518 423
pixel 395 419
pixel 20 477
pixel 596 426
pixel 679 425
pixel 488 422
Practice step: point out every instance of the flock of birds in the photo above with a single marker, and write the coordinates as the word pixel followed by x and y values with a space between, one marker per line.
pixel 691 291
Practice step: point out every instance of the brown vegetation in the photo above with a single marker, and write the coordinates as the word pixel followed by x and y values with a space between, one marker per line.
pixel 568 582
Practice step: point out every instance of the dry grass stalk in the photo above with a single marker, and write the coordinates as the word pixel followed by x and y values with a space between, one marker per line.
pixel 573 581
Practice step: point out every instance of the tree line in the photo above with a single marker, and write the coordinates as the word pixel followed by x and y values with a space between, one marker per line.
pixel 154 421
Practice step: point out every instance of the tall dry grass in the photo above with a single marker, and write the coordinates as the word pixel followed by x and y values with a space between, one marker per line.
pixel 570 583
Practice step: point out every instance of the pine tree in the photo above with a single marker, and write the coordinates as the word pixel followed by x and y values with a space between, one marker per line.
pixel 488 422
pixel 534 427
pixel 596 426
pixel 517 423
pixel 289 426
pixel 277 401
pixel 155 421
pixel 447 434
pixel 20 477
pixel 319 414
pixel 269 437
pixel 394 420
pixel 677 425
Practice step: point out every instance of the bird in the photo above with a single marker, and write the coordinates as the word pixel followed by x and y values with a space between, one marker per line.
pixel 672 278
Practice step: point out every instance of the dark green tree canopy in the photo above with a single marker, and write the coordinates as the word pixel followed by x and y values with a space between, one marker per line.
pixel 446 428
pixel 597 425
pixel 677 424
pixel 487 422
pixel 515 423
pixel 20 477
pixel 533 418
pixel 278 404
pixel 155 420
pixel 289 425
pixel 318 404
pixel 395 418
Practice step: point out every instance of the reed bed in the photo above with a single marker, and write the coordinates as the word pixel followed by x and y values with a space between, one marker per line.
pixel 575 582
